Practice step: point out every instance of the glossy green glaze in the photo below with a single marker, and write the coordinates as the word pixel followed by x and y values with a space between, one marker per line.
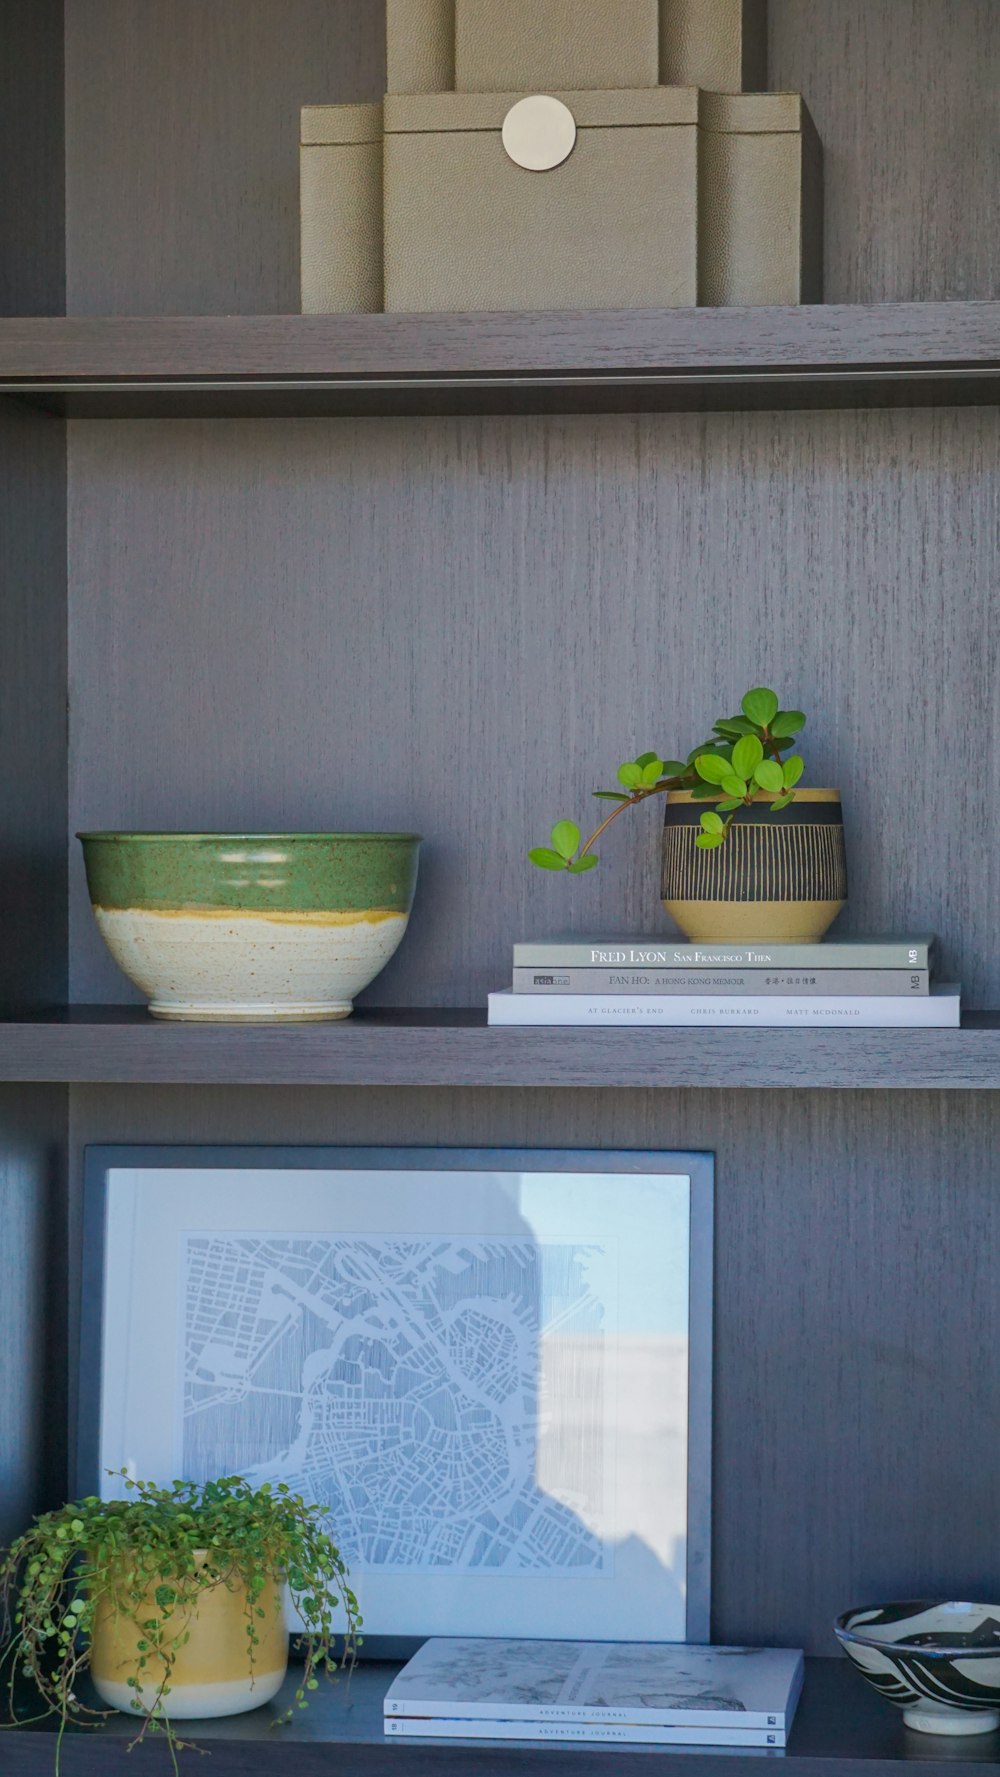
pixel 276 873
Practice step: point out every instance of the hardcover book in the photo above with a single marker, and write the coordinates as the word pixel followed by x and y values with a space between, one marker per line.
pixel 741 981
pixel 478 1684
pixel 665 953
pixel 426 1727
pixel 937 1010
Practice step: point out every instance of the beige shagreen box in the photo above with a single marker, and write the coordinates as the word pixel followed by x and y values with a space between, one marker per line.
pixel 614 225
pixel 420 46
pixel 720 45
pixel 340 166
pixel 760 227
pixel 530 46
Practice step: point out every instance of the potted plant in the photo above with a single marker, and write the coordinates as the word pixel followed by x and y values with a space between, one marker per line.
pixel 173 1599
pixel 764 860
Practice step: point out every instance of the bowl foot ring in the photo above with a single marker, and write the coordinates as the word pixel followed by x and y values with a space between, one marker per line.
pixel 952 1721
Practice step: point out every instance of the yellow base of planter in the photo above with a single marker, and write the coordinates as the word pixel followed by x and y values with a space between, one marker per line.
pixel 212 1674
pixel 744 922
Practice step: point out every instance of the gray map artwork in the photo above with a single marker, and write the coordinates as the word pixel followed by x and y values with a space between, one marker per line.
pixel 395 1381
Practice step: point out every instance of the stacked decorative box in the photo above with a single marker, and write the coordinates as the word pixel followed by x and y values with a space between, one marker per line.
pixel 564 154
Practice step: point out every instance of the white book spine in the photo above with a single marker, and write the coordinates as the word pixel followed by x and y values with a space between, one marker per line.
pixel 939 1010
pixel 740 1721
pixel 625 1733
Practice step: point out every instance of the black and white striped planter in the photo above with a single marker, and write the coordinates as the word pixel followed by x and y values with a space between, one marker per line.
pixel 939 1662
pixel 776 877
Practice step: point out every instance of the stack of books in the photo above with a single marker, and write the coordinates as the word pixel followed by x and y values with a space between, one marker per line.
pixel 651 1692
pixel 608 981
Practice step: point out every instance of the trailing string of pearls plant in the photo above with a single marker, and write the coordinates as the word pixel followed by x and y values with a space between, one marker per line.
pixel 141 1567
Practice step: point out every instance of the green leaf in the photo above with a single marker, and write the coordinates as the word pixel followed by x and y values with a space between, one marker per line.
pixel 792 770
pixel 735 786
pixel 674 768
pixel 782 801
pixel 735 726
pixel 652 772
pixel 580 864
pixel 701 792
pixel 710 767
pixel 565 838
pixel 707 746
pixel 611 795
pixel 759 705
pixel 711 823
pixel 747 755
pixel 709 841
pixel 730 802
pixel 769 775
pixel 645 759
pixel 630 775
pixel 546 859
pixel 787 722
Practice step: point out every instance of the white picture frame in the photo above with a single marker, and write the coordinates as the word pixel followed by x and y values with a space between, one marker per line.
pixel 492 1366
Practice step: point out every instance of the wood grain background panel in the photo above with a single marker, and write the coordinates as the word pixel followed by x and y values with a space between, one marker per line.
pixel 182 131
pixel 33 1325
pixel 33 723
pixel 32 151
pixel 904 96
pixel 33 959
pixel 460 627
pixel 182 121
pixel 857 1374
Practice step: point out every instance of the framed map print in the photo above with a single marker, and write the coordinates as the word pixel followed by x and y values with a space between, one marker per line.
pixel 492 1368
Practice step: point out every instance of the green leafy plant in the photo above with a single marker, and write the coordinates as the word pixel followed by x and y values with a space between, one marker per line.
pixel 744 760
pixel 168 1545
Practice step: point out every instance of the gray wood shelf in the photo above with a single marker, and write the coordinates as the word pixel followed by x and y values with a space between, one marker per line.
pixel 841 1729
pixel 837 355
pixel 418 1047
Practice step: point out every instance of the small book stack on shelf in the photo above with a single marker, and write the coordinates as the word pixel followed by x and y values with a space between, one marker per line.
pixel 657 1693
pixel 608 981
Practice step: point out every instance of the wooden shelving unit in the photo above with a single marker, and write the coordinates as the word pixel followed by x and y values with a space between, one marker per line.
pixel 848 355
pixel 456 568
pixel 407 1046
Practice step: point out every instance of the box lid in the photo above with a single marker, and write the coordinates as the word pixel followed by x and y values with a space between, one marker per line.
pixel 752 114
pixel 326 125
pixel 429 113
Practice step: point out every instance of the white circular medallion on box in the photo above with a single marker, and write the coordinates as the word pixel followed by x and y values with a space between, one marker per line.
pixel 539 133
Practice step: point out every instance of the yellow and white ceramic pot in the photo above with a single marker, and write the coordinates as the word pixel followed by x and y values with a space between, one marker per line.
pixel 212 1673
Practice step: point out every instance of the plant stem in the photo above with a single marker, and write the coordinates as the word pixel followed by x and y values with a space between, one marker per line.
pixel 637 796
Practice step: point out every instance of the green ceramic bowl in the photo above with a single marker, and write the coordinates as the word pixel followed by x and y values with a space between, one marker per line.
pixel 251 927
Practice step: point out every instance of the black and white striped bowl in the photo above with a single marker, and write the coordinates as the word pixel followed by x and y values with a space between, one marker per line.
pixel 939 1662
